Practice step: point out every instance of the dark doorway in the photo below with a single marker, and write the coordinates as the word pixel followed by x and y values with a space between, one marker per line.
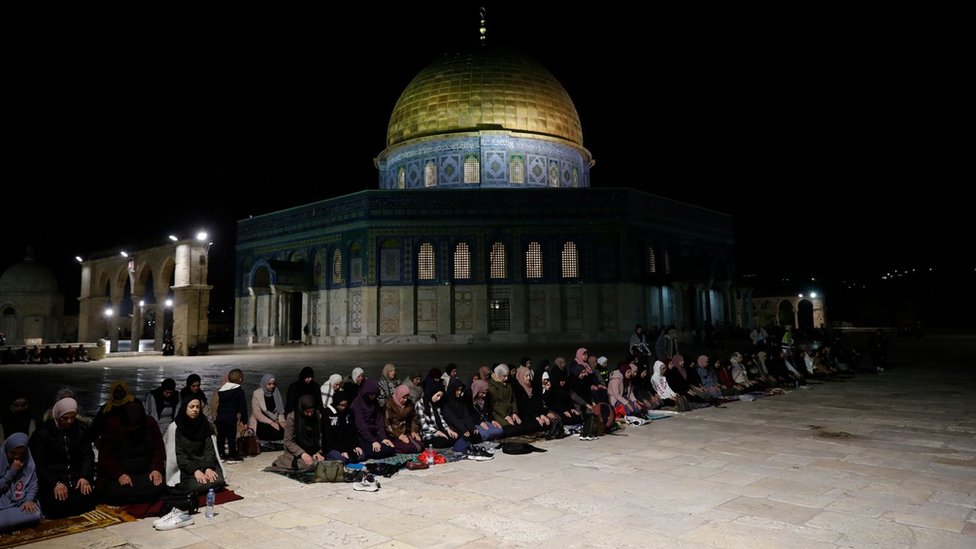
pixel 805 315
pixel 295 316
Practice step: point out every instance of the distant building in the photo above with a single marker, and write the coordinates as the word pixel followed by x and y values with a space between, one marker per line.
pixel 484 228
pixel 31 307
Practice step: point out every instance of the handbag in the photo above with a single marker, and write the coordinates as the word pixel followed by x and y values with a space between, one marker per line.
pixel 247 443
pixel 329 471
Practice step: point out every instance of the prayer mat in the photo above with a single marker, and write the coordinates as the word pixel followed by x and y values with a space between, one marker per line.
pixel 143 510
pixel 100 517
pixel 658 414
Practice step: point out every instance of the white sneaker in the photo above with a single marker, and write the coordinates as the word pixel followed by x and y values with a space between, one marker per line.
pixel 368 484
pixel 160 520
pixel 178 520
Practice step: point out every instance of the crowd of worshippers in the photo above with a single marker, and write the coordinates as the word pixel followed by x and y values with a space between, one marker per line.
pixel 174 442
pixel 46 355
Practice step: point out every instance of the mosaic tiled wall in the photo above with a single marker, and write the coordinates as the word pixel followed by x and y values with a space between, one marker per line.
pixel 464 310
pixel 389 311
pixel 426 310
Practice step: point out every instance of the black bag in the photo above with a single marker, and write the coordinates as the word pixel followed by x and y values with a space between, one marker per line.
pixel 247 443
pixel 185 502
pixel 383 469
pixel 519 448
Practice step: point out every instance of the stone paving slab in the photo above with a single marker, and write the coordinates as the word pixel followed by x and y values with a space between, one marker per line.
pixel 851 464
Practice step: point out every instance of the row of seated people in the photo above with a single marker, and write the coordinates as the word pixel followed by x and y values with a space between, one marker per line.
pixel 46 355
pixel 53 472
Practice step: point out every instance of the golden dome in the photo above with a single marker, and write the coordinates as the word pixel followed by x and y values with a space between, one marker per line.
pixel 486 88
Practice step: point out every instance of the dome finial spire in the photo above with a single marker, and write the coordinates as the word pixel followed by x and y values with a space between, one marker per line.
pixel 483 29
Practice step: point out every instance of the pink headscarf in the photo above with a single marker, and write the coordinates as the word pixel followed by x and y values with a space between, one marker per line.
pixel 64 406
pixel 582 361
pixel 477 387
pixel 399 393
pixel 524 377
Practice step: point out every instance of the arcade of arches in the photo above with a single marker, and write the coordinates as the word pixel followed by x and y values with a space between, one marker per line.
pixel 159 283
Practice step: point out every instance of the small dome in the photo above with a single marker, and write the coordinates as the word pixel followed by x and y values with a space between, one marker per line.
pixel 486 88
pixel 30 277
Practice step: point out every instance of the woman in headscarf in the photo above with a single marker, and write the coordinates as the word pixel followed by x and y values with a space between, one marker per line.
pixel 486 426
pixel 434 429
pixel 457 413
pixel 709 383
pixel 415 385
pixel 268 412
pixel 503 406
pixel 388 383
pixel 621 389
pixel 450 372
pixel 339 439
pixel 329 389
pixel 18 484
pixel 195 456
pixel 305 385
pixel 119 396
pixel 559 397
pixel 65 463
pixel 303 437
pixel 17 417
pixel 528 401
pixel 370 422
pixel 401 422
pixel 162 404
pixel 355 382
pixel 668 397
pixel 131 459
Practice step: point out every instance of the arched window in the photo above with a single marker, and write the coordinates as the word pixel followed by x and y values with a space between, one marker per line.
pixel 651 260
pixel 498 260
pixel 667 261
pixel 516 169
pixel 570 260
pixel 425 262
pixel 462 261
pixel 336 267
pixel 401 178
pixel 430 174
pixel 472 169
pixel 533 260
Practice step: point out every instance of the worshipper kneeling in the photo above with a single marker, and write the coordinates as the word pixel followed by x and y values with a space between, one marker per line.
pixel 401 422
pixel 65 463
pixel 303 437
pixel 268 414
pixel 339 439
pixel 434 428
pixel 370 422
pixel 131 458
pixel 190 446
pixel 18 484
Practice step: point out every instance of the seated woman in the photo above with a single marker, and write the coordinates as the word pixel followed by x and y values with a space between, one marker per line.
pixel 162 403
pixel 529 401
pixel 401 422
pixel 486 426
pixel 303 437
pixel 370 423
pixel 621 389
pixel 119 396
pixel 65 463
pixel 709 381
pixel 388 383
pixel 664 391
pixel 268 413
pixel 329 388
pixel 18 484
pixel 460 416
pixel 131 459
pixel 195 454
pixel 339 440
pixel 435 430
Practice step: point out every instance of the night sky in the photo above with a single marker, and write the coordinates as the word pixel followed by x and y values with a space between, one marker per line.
pixel 803 125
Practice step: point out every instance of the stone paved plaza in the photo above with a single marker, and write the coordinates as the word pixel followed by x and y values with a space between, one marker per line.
pixel 879 461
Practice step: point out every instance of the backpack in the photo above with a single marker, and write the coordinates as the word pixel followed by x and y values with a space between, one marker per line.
pixel 519 448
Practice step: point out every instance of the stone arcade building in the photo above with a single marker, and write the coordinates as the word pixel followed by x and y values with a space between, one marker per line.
pixel 484 229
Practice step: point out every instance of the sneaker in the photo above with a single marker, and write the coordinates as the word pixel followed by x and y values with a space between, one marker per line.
pixel 479 454
pixel 233 460
pixel 178 520
pixel 167 516
pixel 368 484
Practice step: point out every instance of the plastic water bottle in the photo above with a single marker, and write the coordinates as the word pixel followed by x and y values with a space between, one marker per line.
pixel 430 455
pixel 211 498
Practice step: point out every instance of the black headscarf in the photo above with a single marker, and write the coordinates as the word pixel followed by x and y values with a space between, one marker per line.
pixel 186 392
pixel 307 429
pixel 194 429
pixel 161 401
pixel 432 408
pixel 457 410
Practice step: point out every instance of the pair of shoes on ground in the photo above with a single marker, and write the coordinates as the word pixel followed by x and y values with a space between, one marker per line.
pixel 367 484
pixel 476 453
pixel 177 518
